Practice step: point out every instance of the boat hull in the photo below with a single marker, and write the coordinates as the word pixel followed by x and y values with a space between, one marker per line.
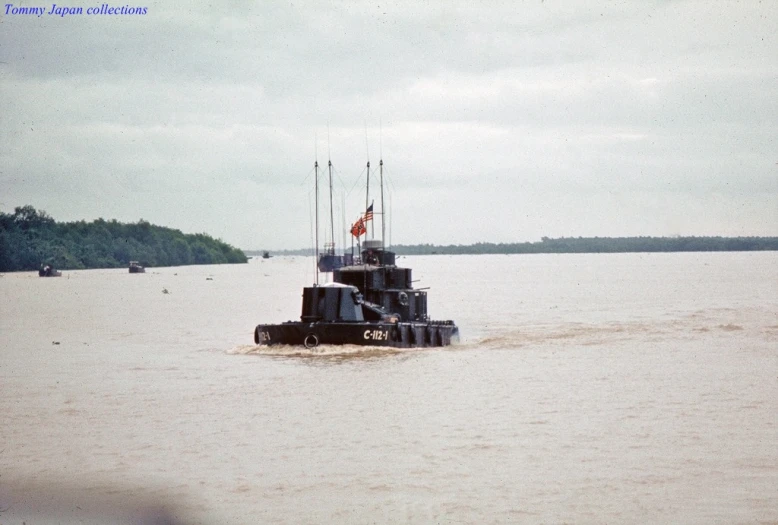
pixel 396 335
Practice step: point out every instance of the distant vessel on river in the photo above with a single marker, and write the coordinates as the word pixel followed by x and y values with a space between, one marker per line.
pixel 48 271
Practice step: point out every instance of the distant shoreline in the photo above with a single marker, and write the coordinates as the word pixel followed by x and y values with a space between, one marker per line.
pixel 579 245
pixel 30 239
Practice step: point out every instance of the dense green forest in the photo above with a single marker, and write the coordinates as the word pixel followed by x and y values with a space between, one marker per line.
pixel 587 245
pixel 29 238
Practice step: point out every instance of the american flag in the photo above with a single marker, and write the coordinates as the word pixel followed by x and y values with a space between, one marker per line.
pixel 369 213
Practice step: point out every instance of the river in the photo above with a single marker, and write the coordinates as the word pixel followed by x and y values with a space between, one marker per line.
pixel 619 388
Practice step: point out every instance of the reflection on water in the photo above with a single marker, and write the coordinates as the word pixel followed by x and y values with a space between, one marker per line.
pixel 587 388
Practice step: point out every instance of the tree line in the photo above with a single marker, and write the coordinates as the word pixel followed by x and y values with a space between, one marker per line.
pixel 584 245
pixel 601 245
pixel 30 238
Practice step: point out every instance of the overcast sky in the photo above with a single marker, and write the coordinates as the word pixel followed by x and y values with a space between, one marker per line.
pixel 497 121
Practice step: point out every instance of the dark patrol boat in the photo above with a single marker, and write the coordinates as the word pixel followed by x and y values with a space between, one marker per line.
pixel 370 302
pixel 48 271
pixel 136 267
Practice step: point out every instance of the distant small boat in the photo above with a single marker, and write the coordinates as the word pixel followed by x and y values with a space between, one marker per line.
pixel 135 267
pixel 48 271
pixel 266 255
pixel 329 261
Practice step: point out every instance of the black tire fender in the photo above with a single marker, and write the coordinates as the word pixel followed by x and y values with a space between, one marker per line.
pixel 311 340
pixel 402 298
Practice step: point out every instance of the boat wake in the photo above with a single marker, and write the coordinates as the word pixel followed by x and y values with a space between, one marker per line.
pixel 596 334
pixel 323 351
pixel 579 334
pixel 758 324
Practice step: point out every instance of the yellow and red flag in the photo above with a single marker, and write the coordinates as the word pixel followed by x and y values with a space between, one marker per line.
pixel 358 228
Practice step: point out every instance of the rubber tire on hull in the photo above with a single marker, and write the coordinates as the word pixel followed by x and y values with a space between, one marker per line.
pixel 311 341
pixel 402 298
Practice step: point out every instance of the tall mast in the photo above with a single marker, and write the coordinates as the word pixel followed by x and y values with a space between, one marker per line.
pixel 316 247
pixel 332 216
pixel 367 195
pixel 343 232
pixel 383 216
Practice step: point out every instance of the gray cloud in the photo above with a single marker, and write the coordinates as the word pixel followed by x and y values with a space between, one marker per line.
pixel 498 120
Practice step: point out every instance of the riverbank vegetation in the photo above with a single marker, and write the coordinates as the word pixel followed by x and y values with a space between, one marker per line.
pixel 602 245
pixel 586 245
pixel 30 237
